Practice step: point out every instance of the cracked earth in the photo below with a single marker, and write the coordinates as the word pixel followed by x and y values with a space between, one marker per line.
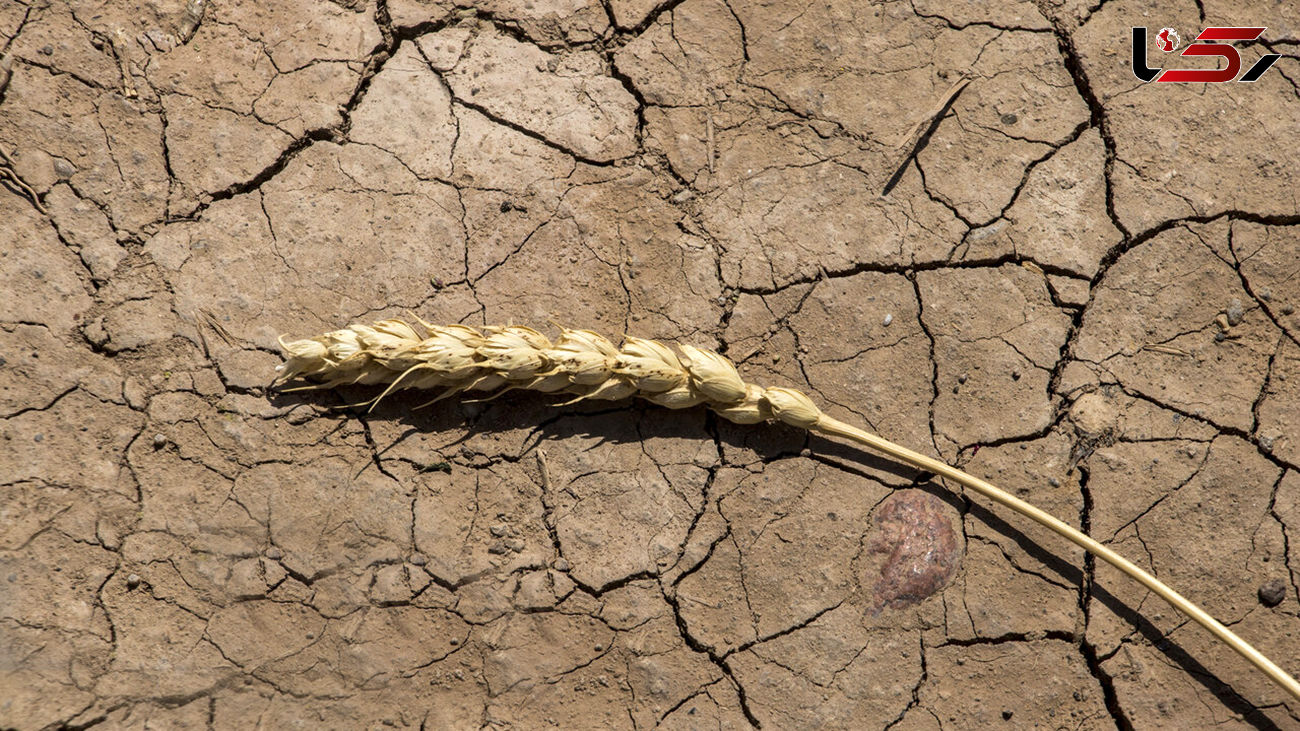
pixel 1079 286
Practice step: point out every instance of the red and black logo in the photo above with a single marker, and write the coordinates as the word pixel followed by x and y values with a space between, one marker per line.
pixel 1167 40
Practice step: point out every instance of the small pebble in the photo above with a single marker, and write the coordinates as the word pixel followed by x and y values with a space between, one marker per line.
pixel 1266 443
pixel 159 441
pixel 962 378
pixel 418 559
pixel 497 548
pixel 274 553
pixel 515 545
pixel 1271 593
pixel 561 564
pixel 499 530
pixel 47 50
pixel 1266 294
pixel 1219 337
pixel 454 641
pixel 1010 119
pixel 1015 375
pixel 1287 309
pixel 1234 313
pixel 889 319
pixel 1053 482
pixel 133 581
pixel 1006 715
pixel 39 437
pixel 64 168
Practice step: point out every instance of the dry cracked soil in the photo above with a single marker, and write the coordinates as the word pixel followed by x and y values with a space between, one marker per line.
pixel 1077 285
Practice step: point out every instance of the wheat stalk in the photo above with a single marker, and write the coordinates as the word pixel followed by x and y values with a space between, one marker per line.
pixel 586 365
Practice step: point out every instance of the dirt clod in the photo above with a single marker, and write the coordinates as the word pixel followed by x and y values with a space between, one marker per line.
pixel 1272 592
pixel 1234 312
pixel 915 535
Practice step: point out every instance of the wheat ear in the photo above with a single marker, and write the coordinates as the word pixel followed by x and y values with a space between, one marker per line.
pixel 586 365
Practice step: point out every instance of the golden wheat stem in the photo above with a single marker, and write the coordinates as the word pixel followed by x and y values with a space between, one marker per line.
pixel 582 363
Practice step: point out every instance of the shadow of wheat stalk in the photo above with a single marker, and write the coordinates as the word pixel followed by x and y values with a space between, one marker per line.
pixel 452 359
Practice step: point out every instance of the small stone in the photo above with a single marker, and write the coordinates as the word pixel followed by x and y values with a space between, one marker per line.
pixel 418 559
pixel 1266 294
pixel 159 441
pixel 1266 443
pixel 1287 309
pixel 64 169
pixel 499 530
pixel 515 545
pixel 47 50
pixel 1007 714
pixel 1219 337
pixel 1234 312
pixel 1053 482
pixel 1271 593
pixel 39 438
pixel 454 641
pixel 274 553
pixel 133 580
pixel 963 377
pixel 889 319
pixel 1015 375
pixel 1010 119
pixel 498 548
pixel 561 564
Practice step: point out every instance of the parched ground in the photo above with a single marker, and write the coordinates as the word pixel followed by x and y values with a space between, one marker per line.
pixel 1079 286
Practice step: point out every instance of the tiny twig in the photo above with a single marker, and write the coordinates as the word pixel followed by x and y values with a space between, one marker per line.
pixel 708 128
pixel 909 144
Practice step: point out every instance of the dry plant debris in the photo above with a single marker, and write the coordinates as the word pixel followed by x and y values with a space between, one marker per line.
pixel 457 358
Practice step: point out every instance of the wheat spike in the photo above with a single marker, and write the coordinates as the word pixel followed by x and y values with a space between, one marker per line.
pixel 586 365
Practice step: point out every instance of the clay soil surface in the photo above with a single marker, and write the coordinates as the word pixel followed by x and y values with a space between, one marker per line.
pixel 1080 286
